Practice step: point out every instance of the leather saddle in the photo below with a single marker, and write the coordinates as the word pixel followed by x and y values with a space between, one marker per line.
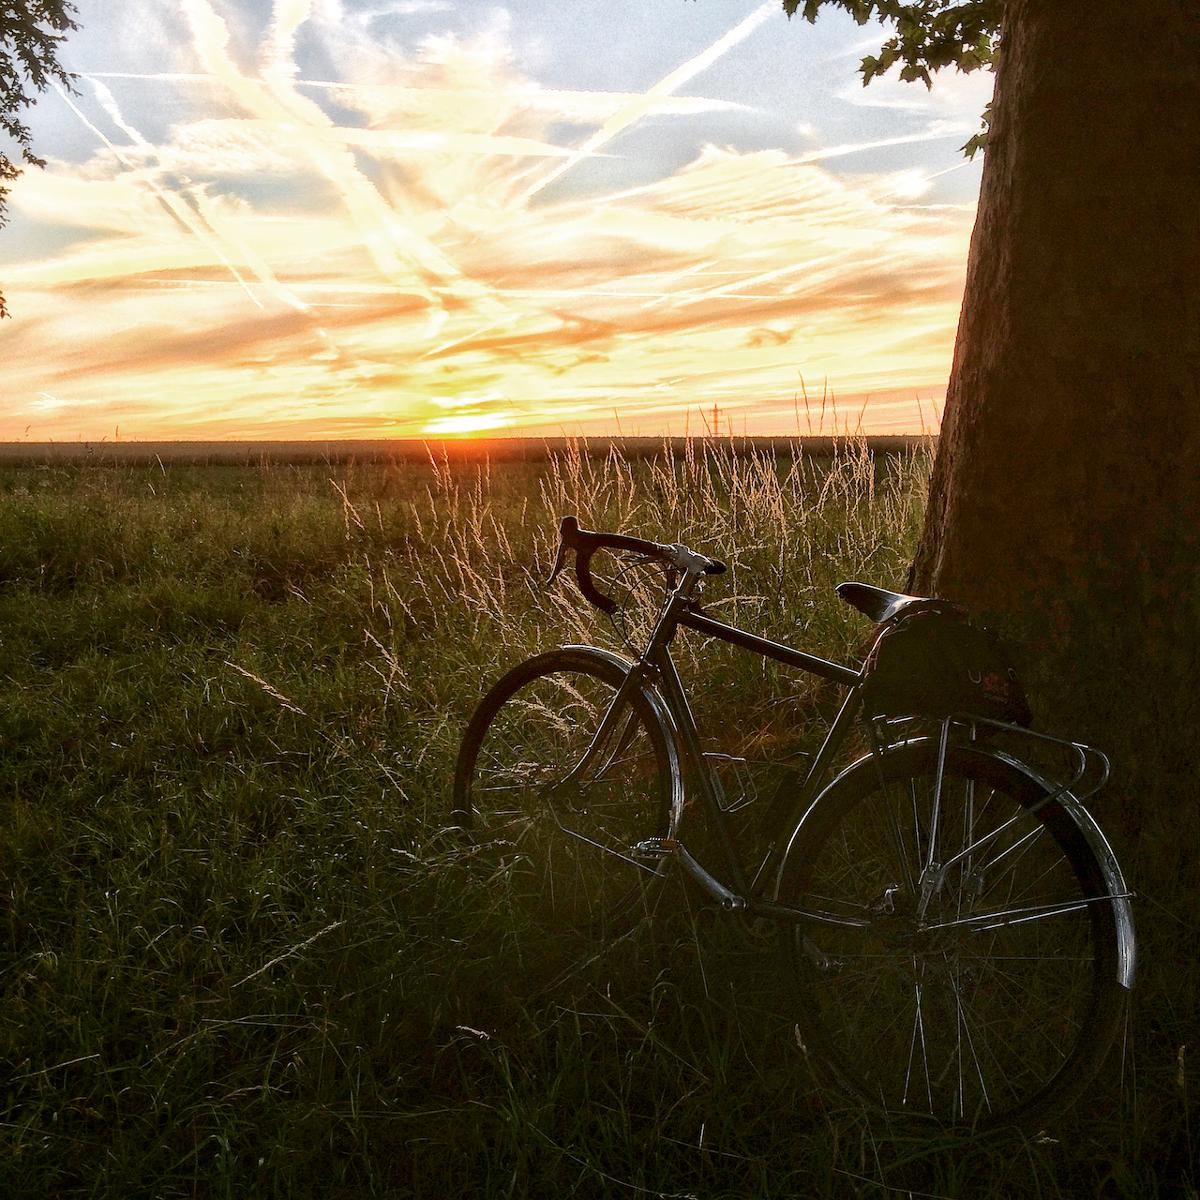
pixel 877 603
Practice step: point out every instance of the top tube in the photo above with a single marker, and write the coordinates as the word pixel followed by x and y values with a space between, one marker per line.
pixel 814 665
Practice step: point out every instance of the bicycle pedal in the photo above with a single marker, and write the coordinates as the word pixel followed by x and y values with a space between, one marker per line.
pixel 655 847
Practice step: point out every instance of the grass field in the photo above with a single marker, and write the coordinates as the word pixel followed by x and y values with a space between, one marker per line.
pixel 245 956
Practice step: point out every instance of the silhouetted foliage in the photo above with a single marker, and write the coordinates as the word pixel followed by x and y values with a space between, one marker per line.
pixel 929 35
pixel 30 35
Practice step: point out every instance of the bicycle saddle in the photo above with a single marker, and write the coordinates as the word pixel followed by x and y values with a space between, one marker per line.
pixel 877 603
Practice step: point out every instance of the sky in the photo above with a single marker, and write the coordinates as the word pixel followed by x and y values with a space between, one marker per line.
pixel 327 219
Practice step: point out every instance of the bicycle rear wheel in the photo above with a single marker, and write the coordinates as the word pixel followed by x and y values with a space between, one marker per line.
pixel 979 995
pixel 564 814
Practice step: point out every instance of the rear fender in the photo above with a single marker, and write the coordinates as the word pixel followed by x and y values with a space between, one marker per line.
pixel 1091 832
pixel 1114 877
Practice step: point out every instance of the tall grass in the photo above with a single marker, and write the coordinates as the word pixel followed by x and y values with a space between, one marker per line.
pixel 245 956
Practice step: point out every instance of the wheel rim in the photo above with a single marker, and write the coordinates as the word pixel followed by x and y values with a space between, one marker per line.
pixel 966 998
pixel 565 835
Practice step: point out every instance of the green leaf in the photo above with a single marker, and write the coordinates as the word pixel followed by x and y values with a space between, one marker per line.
pixel 973 145
pixel 928 36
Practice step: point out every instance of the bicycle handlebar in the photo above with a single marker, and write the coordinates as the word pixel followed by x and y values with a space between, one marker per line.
pixel 585 542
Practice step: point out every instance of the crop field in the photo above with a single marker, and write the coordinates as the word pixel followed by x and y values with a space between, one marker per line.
pixel 244 952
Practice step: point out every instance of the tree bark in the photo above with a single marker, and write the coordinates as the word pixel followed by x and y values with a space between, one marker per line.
pixel 1065 498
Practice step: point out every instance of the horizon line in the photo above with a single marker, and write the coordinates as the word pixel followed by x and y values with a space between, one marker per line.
pixel 530 448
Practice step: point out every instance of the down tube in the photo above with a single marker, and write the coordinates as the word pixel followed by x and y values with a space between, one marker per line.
pixel 677 702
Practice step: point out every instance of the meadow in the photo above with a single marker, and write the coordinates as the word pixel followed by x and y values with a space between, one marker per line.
pixel 244 953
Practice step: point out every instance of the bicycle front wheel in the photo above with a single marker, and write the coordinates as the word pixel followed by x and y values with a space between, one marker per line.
pixel 974 984
pixel 563 808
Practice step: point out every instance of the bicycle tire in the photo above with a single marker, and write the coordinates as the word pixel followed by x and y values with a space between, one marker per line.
pixel 565 852
pixel 973 1027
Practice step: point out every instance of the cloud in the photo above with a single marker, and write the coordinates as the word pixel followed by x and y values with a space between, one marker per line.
pixel 382 253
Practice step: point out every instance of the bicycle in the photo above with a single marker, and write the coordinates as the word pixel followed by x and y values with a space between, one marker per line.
pixel 956 926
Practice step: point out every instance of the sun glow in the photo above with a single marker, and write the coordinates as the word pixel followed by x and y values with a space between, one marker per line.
pixel 407 249
pixel 467 423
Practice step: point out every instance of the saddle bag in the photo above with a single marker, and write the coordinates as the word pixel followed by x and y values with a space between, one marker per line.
pixel 929 660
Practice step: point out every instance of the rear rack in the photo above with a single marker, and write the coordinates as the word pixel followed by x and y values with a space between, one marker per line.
pixel 1090 764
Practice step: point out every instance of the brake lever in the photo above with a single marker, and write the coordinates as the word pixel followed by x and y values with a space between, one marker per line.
pixel 560 561
pixel 566 528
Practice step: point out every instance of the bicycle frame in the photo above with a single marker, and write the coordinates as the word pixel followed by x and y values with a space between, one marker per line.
pixel 655 669
pixel 654 672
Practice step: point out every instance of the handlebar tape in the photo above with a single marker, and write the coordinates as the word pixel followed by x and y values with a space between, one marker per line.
pixel 586 542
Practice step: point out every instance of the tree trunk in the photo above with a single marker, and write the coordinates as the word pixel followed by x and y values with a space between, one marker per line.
pixel 1065 499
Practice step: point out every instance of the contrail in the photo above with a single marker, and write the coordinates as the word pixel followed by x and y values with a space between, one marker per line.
pixel 171 203
pixel 274 99
pixel 558 101
pixel 198 203
pixel 156 76
pixel 928 135
pixel 433 142
pixel 697 297
pixel 644 104
pixel 638 107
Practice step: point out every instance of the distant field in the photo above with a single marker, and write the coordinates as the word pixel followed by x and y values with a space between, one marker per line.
pixel 386 450
pixel 244 956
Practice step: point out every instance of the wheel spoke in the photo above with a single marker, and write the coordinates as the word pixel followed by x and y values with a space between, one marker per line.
pixel 917 1042
pixel 1021 916
pixel 964 1032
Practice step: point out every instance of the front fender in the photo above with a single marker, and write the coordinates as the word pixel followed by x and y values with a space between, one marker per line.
pixel 662 715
